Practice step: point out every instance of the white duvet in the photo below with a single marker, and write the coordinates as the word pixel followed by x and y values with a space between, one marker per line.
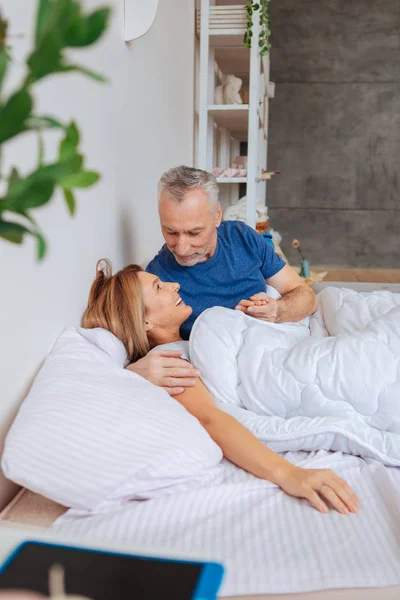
pixel 334 384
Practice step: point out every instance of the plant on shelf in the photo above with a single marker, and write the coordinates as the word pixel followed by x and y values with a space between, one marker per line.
pixel 60 24
pixel 265 25
pixel 304 263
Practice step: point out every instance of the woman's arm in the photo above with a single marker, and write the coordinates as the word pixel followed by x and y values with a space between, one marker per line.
pixel 242 448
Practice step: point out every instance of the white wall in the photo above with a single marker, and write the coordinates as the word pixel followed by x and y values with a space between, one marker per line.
pixel 134 128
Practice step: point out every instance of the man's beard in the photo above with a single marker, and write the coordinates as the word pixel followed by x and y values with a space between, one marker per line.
pixel 190 263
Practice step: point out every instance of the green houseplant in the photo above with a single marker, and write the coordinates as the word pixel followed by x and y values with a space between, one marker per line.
pixel 60 24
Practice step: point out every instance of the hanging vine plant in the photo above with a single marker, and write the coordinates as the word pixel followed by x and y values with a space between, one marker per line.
pixel 265 25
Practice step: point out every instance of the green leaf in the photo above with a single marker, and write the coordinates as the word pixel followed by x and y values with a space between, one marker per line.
pixel 38 194
pixel 73 133
pixel 96 25
pixel 59 170
pixel 36 122
pixel 70 200
pixel 40 148
pixel 46 58
pixel 83 179
pixel 85 30
pixel 32 195
pixel 4 59
pixel 67 148
pixel 14 114
pixel 51 14
pixel 70 142
pixel 37 188
pixel 13 181
pixel 41 17
pixel 12 232
pixel 84 71
pixel 41 246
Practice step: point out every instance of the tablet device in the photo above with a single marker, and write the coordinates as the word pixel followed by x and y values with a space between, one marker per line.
pixel 102 575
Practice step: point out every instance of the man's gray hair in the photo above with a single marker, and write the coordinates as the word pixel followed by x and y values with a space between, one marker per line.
pixel 175 182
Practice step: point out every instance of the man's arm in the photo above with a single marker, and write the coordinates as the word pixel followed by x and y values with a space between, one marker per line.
pixel 298 299
pixel 242 448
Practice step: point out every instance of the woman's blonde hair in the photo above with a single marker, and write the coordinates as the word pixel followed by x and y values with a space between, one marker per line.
pixel 115 303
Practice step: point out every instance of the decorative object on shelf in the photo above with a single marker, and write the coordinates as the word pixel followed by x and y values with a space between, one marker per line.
pixel 237 212
pixel 262 226
pixel 277 238
pixel 268 237
pixel 265 25
pixel 241 162
pixel 267 175
pixel 228 91
pixel 314 276
pixel 60 24
pixel 139 16
pixel 232 171
pixel 305 263
pixel 245 95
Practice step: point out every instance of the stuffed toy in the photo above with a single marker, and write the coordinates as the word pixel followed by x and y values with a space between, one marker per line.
pixel 228 92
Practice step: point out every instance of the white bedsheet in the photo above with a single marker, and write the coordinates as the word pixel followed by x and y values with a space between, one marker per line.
pixel 269 542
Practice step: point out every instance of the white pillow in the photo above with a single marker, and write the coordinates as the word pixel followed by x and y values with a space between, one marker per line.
pixel 91 433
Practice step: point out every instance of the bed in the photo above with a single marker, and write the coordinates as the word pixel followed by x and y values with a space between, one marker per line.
pixel 271 544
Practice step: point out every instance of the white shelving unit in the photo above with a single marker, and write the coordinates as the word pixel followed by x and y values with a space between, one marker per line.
pixel 221 128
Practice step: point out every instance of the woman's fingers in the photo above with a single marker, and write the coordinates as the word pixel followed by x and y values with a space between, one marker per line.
pixel 343 491
pixel 259 296
pixel 317 501
pixel 245 303
pixel 242 308
pixel 331 495
pixel 320 486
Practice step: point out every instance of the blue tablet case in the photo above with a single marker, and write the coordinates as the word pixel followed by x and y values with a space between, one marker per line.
pixel 110 575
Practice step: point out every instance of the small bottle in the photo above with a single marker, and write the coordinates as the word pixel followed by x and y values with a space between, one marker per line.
pixel 305 268
pixel 268 238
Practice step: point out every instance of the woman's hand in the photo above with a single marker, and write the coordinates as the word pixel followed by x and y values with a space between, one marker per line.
pixel 261 306
pixel 317 485
pixel 242 448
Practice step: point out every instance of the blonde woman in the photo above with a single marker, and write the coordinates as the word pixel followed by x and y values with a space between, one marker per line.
pixel 146 313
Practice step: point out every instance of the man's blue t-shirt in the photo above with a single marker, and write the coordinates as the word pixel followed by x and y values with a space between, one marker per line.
pixel 241 263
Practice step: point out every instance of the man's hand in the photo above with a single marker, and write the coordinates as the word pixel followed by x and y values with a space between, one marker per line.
pixel 166 369
pixel 260 306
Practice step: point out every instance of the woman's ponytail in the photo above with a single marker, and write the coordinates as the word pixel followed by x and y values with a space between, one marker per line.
pixel 103 273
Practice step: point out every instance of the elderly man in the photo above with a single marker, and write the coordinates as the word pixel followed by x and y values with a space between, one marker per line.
pixel 216 264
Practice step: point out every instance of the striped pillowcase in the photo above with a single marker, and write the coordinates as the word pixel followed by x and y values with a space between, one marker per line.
pixel 91 434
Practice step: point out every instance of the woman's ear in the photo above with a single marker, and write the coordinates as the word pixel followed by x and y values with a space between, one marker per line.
pixel 148 325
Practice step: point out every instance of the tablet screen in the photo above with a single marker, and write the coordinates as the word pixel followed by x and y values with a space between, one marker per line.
pixel 101 575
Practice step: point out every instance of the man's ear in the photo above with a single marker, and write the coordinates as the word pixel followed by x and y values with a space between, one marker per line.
pixel 148 325
pixel 218 215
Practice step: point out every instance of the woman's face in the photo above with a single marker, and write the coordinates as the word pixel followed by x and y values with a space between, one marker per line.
pixel 164 306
